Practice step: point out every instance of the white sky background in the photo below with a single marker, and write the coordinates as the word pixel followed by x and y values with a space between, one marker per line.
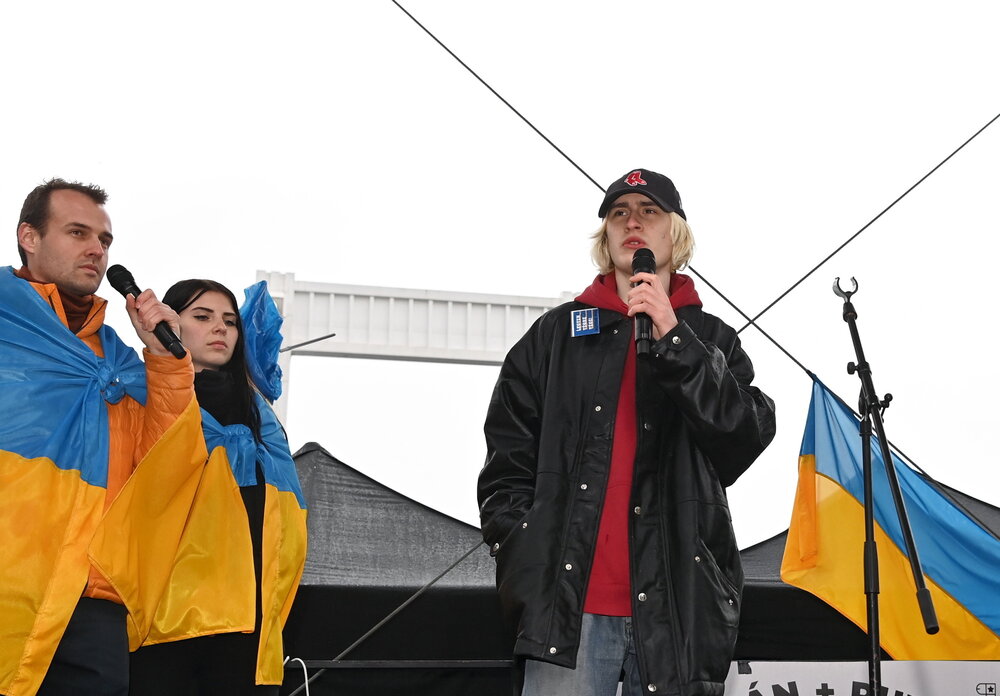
pixel 337 141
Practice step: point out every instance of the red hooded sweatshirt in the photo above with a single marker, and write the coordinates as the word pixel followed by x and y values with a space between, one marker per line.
pixel 609 590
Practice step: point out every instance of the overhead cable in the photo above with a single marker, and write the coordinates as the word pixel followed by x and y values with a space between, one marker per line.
pixel 497 95
pixel 869 224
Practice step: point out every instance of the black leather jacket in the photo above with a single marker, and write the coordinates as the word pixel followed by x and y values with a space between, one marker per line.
pixel 549 433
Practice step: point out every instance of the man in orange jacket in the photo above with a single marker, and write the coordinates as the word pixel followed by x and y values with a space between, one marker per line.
pixel 62 464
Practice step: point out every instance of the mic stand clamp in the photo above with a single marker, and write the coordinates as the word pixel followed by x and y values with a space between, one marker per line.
pixel 871 409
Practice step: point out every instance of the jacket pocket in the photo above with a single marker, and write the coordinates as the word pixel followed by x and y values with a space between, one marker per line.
pixel 710 616
pixel 499 547
pixel 721 583
pixel 518 558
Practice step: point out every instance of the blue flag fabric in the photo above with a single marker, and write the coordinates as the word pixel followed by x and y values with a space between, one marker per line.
pixel 55 387
pixel 243 451
pixel 262 338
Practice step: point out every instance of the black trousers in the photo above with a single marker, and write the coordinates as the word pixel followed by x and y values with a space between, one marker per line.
pixel 220 665
pixel 92 657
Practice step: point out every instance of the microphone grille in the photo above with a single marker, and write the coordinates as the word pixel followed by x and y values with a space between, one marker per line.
pixel 643 261
pixel 120 278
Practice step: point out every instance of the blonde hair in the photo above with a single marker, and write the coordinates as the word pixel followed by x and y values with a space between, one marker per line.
pixel 680 233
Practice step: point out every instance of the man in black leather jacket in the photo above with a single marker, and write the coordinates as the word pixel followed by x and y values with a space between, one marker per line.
pixel 603 493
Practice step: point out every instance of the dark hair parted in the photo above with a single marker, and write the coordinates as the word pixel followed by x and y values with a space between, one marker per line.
pixel 35 210
pixel 179 297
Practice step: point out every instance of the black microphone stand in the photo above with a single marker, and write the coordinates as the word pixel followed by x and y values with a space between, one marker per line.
pixel 871 409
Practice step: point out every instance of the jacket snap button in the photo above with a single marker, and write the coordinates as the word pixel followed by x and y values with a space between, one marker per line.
pixel 642 596
pixel 524 525
pixel 583 486
pixel 697 559
pixel 730 602
pixel 569 566
pixel 597 408
pixel 496 547
pixel 676 341
pixel 647 426
pixel 637 510
pixel 651 687
pixel 615 332
pixel 552 651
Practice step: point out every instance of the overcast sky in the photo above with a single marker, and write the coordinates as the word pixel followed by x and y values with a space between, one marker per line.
pixel 337 141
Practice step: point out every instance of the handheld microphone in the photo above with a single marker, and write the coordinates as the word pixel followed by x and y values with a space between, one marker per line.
pixel 122 281
pixel 643 261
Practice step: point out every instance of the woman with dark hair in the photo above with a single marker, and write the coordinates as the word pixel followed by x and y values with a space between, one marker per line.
pixel 217 628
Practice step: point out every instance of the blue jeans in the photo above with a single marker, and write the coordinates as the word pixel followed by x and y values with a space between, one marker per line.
pixel 606 650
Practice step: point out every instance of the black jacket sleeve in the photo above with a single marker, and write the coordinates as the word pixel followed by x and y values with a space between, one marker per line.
pixel 708 376
pixel 513 425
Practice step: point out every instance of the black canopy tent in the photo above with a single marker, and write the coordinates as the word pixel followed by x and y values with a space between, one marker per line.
pixel 372 549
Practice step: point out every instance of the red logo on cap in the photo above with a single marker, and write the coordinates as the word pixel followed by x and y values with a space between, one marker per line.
pixel 635 178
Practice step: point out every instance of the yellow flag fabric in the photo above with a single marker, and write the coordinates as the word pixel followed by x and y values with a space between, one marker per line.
pixel 283 563
pixel 136 542
pixel 212 584
pixel 49 515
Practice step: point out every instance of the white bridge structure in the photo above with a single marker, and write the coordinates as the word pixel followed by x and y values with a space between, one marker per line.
pixel 396 323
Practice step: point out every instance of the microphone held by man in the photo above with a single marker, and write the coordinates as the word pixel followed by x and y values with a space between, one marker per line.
pixel 122 281
pixel 643 261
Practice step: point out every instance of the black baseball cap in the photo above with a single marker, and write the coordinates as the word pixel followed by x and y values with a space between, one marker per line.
pixel 656 186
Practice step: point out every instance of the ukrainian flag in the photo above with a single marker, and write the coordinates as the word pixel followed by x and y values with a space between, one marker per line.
pixel 284 541
pixel 53 471
pixel 212 585
pixel 54 447
pixel 824 551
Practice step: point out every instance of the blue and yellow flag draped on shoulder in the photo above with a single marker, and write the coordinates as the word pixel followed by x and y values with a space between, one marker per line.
pixel 212 585
pixel 824 551
pixel 54 448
